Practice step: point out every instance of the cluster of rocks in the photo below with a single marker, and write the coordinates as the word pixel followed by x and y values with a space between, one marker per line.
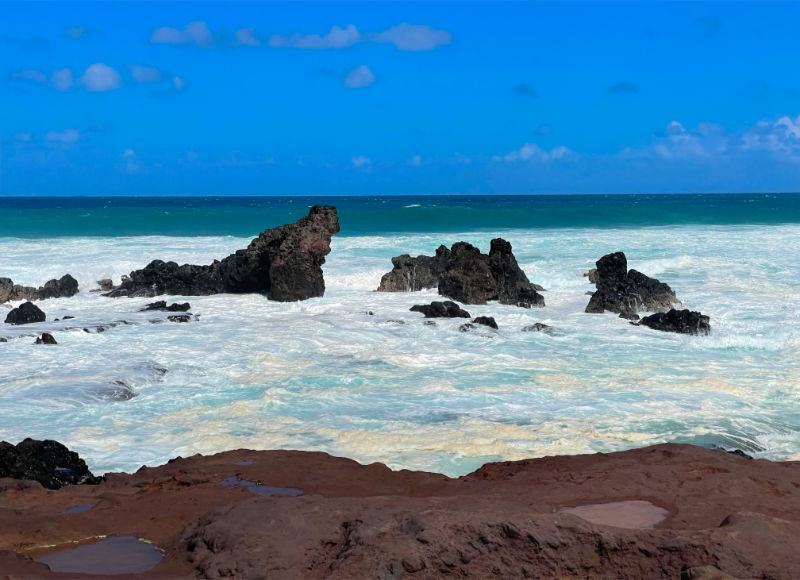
pixel 64 287
pixel 449 309
pixel 284 263
pixel 466 274
pixel 48 462
pixel 628 292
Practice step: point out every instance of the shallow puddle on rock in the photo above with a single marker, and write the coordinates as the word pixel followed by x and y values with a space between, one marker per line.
pixel 243 463
pixel 113 555
pixel 78 509
pixel 258 489
pixel 633 514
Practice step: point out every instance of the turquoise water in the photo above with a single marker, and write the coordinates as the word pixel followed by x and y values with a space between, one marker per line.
pixel 189 216
pixel 324 375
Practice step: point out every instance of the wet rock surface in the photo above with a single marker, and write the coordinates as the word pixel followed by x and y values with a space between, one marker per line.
pixel 446 309
pixel 285 263
pixel 64 287
pixel 627 292
pixel 26 313
pixel 48 462
pixel 537 327
pixel 507 519
pixel 467 275
pixel 681 321
pixel 162 306
pixel 46 338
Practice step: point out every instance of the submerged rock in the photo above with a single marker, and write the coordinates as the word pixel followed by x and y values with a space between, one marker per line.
pixel 162 305
pixel 465 274
pixel 46 338
pixel 537 327
pixel 48 462
pixel 446 309
pixel 26 313
pixel 486 321
pixel 681 321
pixel 64 287
pixel 179 318
pixel 106 284
pixel 627 292
pixel 285 263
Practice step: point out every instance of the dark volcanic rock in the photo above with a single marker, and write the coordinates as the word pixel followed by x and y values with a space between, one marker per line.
pixel 284 262
pixel 465 274
pixel 627 292
pixel 682 321
pixel 446 309
pixel 486 321
pixel 537 327
pixel 64 287
pixel 179 318
pixel 46 338
pixel 410 274
pixel 26 313
pixel 162 305
pixel 106 284
pixel 48 462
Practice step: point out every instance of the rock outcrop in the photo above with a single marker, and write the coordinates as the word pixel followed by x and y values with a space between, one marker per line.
pixel 466 274
pixel 627 292
pixel 446 309
pixel 46 338
pixel 285 263
pixel 486 321
pixel 26 313
pixel 48 462
pixel 681 321
pixel 162 306
pixel 64 287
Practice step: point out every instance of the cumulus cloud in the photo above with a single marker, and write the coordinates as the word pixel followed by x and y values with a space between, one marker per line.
pixel 67 136
pixel 623 87
pixel 131 164
pixel 781 136
pixel 59 79
pixel 336 38
pixel 196 33
pixel 705 141
pixel 532 152
pixel 100 78
pixel 525 90
pixel 361 161
pixel 359 78
pixel 246 37
pixel 414 37
pixel 146 74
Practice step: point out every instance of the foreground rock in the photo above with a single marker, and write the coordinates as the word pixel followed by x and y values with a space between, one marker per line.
pixel 26 313
pixel 682 321
pixel 46 338
pixel 48 462
pixel 627 292
pixel 446 309
pixel 64 287
pixel 162 306
pixel 285 263
pixel 214 516
pixel 465 274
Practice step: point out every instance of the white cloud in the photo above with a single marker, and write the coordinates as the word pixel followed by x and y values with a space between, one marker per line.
pixel 416 161
pixel 146 74
pixel 361 161
pixel 413 37
pixel 100 78
pixel 196 33
pixel 678 142
pixel 61 79
pixel 131 165
pixel 336 38
pixel 359 78
pixel 66 136
pixel 781 136
pixel 179 83
pixel 247 37
pixel 532 152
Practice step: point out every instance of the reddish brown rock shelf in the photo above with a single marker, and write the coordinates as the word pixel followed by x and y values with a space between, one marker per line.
pixel 728 517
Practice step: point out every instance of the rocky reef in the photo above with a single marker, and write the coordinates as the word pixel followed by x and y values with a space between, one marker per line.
pixel 48 462
pixel 467 275
pixel 284 263
pixel 667 511
pixel 64 287
pixel 681 321
pixel 25 313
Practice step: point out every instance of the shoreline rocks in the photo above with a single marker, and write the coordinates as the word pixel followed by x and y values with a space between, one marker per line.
pixel 467 275
pixel 627 292
pixel 680 321
pixel 446 309
pixel 25 313
pixel 64 287
pixel 284 263
pixel 48 462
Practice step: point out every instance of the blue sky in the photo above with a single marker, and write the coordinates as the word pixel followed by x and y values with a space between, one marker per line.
pixel 332 98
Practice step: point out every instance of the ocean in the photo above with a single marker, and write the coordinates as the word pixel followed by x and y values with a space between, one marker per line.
pixel 324 375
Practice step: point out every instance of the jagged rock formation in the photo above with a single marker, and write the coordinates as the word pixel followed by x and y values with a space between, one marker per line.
pixel 26 313
pixel 465 274
pixel 627 292
pixel 446 309
pixel 285 263
pixel 48 462
pixel 682 321
pixel 64 287
pixel 46 338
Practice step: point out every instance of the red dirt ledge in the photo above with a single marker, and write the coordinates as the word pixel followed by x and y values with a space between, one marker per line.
pixel 730 517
